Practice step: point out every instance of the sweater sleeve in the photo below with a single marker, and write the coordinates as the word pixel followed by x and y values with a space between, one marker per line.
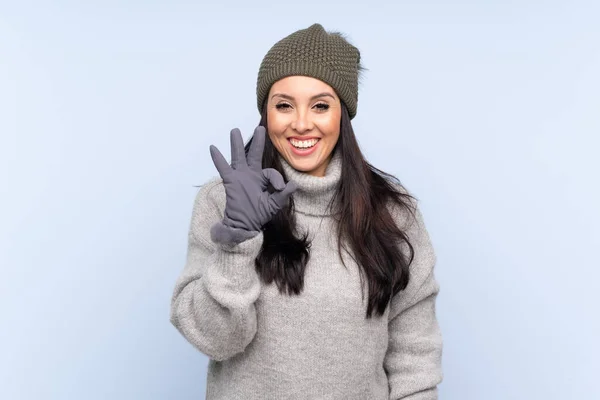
pixel 413 361
pixel 212 304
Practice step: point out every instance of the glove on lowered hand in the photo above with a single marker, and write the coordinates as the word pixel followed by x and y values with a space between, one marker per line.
pixel 248 205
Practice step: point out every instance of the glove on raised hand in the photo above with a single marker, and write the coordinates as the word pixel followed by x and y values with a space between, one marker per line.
pixel 248 205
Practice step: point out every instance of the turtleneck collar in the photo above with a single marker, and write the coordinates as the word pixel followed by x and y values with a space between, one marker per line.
pixel 314 192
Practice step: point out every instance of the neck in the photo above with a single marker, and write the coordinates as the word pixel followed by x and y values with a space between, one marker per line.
pixel 314 193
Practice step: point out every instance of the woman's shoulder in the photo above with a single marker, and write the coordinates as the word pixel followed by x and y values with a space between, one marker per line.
pixel 211 195
pixel 208 208
pixel 405 211
pixel 410 220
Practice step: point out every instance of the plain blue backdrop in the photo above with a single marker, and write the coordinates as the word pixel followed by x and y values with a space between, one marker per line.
pixel 487 111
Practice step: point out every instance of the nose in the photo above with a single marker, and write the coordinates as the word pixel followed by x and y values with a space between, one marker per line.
pixel 302 122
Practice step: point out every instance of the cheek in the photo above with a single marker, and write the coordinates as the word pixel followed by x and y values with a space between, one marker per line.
pixel 276 133
pixel 331 127
pixel 276 126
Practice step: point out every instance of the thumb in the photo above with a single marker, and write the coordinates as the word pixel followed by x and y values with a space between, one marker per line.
pixel 279 199
pixel 273 176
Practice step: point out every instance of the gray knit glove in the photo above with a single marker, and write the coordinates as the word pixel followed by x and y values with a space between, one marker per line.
pixel 248 205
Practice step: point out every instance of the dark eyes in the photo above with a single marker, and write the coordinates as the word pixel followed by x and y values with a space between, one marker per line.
pixel 320 106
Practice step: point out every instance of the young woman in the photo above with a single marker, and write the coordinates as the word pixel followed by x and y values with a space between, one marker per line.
pixel 309 274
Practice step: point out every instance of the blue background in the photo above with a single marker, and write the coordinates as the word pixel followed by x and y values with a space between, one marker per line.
pixel 488 111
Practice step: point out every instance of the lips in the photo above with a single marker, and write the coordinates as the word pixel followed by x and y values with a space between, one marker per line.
pixel 303 151
pixel 295 142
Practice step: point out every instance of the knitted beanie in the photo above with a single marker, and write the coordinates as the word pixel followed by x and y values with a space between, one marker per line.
pixel 313 52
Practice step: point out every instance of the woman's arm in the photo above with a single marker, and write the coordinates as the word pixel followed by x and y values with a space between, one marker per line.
pixel 413 361
pixel 213 301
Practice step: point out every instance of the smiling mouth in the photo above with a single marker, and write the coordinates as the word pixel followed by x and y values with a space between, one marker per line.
pixel 303 144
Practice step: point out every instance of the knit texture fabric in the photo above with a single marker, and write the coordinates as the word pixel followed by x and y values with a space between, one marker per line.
pixel 318 345
pixel 313 52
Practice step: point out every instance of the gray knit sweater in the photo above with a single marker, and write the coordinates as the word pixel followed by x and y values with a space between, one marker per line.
pixel 318 345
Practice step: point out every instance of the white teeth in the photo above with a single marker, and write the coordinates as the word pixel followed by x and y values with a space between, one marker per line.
pixel 303 144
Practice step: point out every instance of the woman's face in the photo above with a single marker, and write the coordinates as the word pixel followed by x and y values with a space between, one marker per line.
pixel 303 119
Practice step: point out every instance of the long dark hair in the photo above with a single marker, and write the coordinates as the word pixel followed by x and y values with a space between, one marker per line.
pixel 364 224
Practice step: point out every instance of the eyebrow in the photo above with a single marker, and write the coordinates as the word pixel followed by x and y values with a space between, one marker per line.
pixel 286 96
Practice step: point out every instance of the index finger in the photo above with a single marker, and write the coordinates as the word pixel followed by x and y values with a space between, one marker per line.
pixel 220 162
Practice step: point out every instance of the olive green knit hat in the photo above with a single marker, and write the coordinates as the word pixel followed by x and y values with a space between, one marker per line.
pixel 313 52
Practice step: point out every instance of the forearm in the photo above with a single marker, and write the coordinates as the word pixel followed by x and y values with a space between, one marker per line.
pixel 213 301
pixel 414 359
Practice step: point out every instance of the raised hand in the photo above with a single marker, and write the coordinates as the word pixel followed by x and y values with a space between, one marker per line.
pixel 248 203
